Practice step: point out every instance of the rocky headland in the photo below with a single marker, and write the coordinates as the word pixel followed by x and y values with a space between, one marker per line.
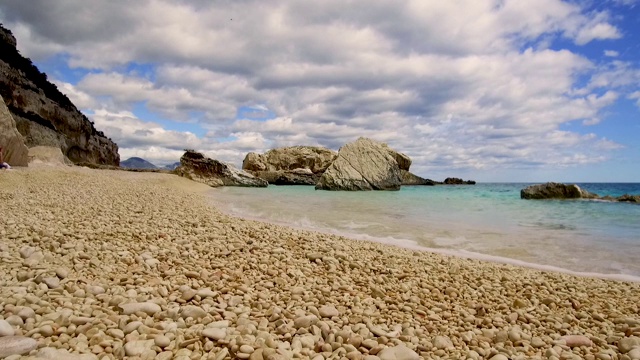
pixel 100 264
pixel 43 115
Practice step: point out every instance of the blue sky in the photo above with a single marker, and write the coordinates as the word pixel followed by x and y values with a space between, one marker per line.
pixel 491 90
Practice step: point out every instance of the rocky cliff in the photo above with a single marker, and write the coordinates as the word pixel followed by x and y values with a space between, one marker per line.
pixel 43 115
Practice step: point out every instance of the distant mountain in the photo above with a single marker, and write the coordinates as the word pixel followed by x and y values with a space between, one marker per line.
pixel 137 163
pixel 171 166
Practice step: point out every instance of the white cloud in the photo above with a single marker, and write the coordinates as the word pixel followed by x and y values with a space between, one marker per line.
pixel 611 53
pixel 466 84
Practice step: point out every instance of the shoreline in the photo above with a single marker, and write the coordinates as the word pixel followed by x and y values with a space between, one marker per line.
pixel 111 264
pixel 415 246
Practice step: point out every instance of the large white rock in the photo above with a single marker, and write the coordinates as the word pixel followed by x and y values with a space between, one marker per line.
pixel 15 151
pixel 16 345
pixel 362 165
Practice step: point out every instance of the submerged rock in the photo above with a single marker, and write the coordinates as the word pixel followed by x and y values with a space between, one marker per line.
pixel 553 190
pixel 362 165
pixel 197 167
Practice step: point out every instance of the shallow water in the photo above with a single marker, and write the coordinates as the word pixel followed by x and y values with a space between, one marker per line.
pixel 484 221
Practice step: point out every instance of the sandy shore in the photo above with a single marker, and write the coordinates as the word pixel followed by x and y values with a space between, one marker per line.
pixel 99 264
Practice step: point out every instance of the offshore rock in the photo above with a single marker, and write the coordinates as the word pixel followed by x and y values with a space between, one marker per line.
pixel 553 190
pixel 197 167
pixel 458 181
pixel 14 150
pixel 404 162
pixel 294 165
pixel 43 115
pixel 412 179
pixel 317 159
pixel 362 165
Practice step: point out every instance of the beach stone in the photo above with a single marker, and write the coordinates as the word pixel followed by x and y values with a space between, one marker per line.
pixel 328 311
pixel 27 313
pixel 499 357
pixel 16 345
pixel 223 324
pixel 194 312
pixel 162 341
pixel 51 282
pixel 626 344
pixel 62 273
pixel 577 340
pixel 399 352
pixel 148 308
pixel 5 328
pixel 634 354
pixel 442 342
pixel 59 354
pixel 305 321
pixel 215 333
pixel 137 347
pixel 537 342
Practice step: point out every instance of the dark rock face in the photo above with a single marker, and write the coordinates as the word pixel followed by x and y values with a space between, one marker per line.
pixel 197 167
pixel 137 163
pixel 43 115
pixel 412 179
pixel 362 165
pixel 553 190
pixel 288 177
pixel 458 181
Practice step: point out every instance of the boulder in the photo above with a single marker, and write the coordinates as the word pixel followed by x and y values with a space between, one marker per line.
pixel 317 159
pixel 629 198
pixel 553 190
pixel 412 179
pixel 197 167
pixel 15 151
pixel 48 155
pixel 362 165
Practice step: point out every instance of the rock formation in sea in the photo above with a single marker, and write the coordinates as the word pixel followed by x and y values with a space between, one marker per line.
pixel 197 167
pixel 14 150
pixel 362 165
pixel 137 163
pixel 409 178
pixel 458 181
pixel 552 190
pixel 293 165
pixel 43 115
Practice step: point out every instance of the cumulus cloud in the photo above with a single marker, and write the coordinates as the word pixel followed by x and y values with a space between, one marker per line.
pixel 467 85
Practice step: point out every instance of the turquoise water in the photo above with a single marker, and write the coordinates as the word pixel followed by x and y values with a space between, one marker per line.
pixel 487 221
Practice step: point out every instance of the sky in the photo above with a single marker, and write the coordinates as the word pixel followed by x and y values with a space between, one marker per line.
pixel 489 90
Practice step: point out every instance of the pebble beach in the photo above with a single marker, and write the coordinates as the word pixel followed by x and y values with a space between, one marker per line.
pixel 104 264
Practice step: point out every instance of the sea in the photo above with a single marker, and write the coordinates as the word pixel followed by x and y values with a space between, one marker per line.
pixel 485 221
